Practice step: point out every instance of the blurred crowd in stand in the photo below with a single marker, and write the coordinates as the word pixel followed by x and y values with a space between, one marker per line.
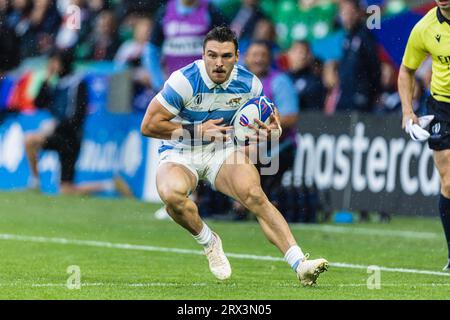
pixel 311 55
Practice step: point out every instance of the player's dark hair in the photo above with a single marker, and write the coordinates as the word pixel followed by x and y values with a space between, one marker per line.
pixel 221 34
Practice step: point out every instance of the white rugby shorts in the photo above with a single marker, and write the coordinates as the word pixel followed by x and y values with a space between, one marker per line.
pixel 203 161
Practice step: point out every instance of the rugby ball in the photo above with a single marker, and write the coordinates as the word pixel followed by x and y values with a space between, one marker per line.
pixel 257 108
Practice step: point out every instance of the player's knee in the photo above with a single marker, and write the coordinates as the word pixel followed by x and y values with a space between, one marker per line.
pixel 175 201
pixel 254 197
pixel 172 196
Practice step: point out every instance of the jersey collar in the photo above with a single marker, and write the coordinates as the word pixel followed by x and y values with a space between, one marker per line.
pixel 209 83
pixel 441 17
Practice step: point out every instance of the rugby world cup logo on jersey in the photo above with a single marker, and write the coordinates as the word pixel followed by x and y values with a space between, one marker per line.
pixel 197 102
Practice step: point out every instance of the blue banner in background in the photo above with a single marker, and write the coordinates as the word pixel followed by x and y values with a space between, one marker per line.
pixel 395 32
pixel 112 147
pixel 49 169
pixel 14 167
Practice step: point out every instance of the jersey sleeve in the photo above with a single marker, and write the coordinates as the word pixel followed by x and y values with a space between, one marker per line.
pixel 175 93
pixel 415 52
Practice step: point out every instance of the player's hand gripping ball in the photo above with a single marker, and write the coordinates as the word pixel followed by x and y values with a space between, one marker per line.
pixel 260 108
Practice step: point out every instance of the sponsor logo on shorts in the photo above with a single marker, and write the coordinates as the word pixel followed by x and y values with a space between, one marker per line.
pixel 435 130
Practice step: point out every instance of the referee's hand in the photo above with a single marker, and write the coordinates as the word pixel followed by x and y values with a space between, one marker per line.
pixel 407 117
pixel 416 129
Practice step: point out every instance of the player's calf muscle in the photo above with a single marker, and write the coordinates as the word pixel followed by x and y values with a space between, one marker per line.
pixel 445 185
pixel 442 162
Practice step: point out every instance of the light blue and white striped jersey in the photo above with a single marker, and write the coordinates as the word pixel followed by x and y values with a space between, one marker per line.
pixel 192 96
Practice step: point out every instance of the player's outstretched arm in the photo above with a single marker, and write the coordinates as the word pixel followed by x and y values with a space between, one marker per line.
pixel 406 83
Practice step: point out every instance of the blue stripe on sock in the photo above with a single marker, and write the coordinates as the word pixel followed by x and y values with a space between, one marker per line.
pixel 295 265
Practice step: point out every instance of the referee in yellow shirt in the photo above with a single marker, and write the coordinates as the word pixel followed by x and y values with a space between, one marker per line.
pixel 431 36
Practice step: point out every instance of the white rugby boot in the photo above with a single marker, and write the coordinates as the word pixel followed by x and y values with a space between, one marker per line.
pixel 218 262
pixel 309 270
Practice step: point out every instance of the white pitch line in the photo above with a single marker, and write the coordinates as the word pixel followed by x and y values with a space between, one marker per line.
pixel 391 285
pixel 103 244
pixel 169 284
pixel 100 284
pixel 366 231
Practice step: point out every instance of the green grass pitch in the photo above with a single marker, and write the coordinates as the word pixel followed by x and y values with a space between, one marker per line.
pixel 124 253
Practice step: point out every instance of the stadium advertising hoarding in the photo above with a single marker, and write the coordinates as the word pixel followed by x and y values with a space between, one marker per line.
pixel 14 168
pixel 112 146
pixel 366 162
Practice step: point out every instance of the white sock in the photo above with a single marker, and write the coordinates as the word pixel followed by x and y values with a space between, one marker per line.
pixel 294 256
pixel 205 236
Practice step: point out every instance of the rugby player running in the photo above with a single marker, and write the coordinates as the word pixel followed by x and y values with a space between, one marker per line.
pixel 201 99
